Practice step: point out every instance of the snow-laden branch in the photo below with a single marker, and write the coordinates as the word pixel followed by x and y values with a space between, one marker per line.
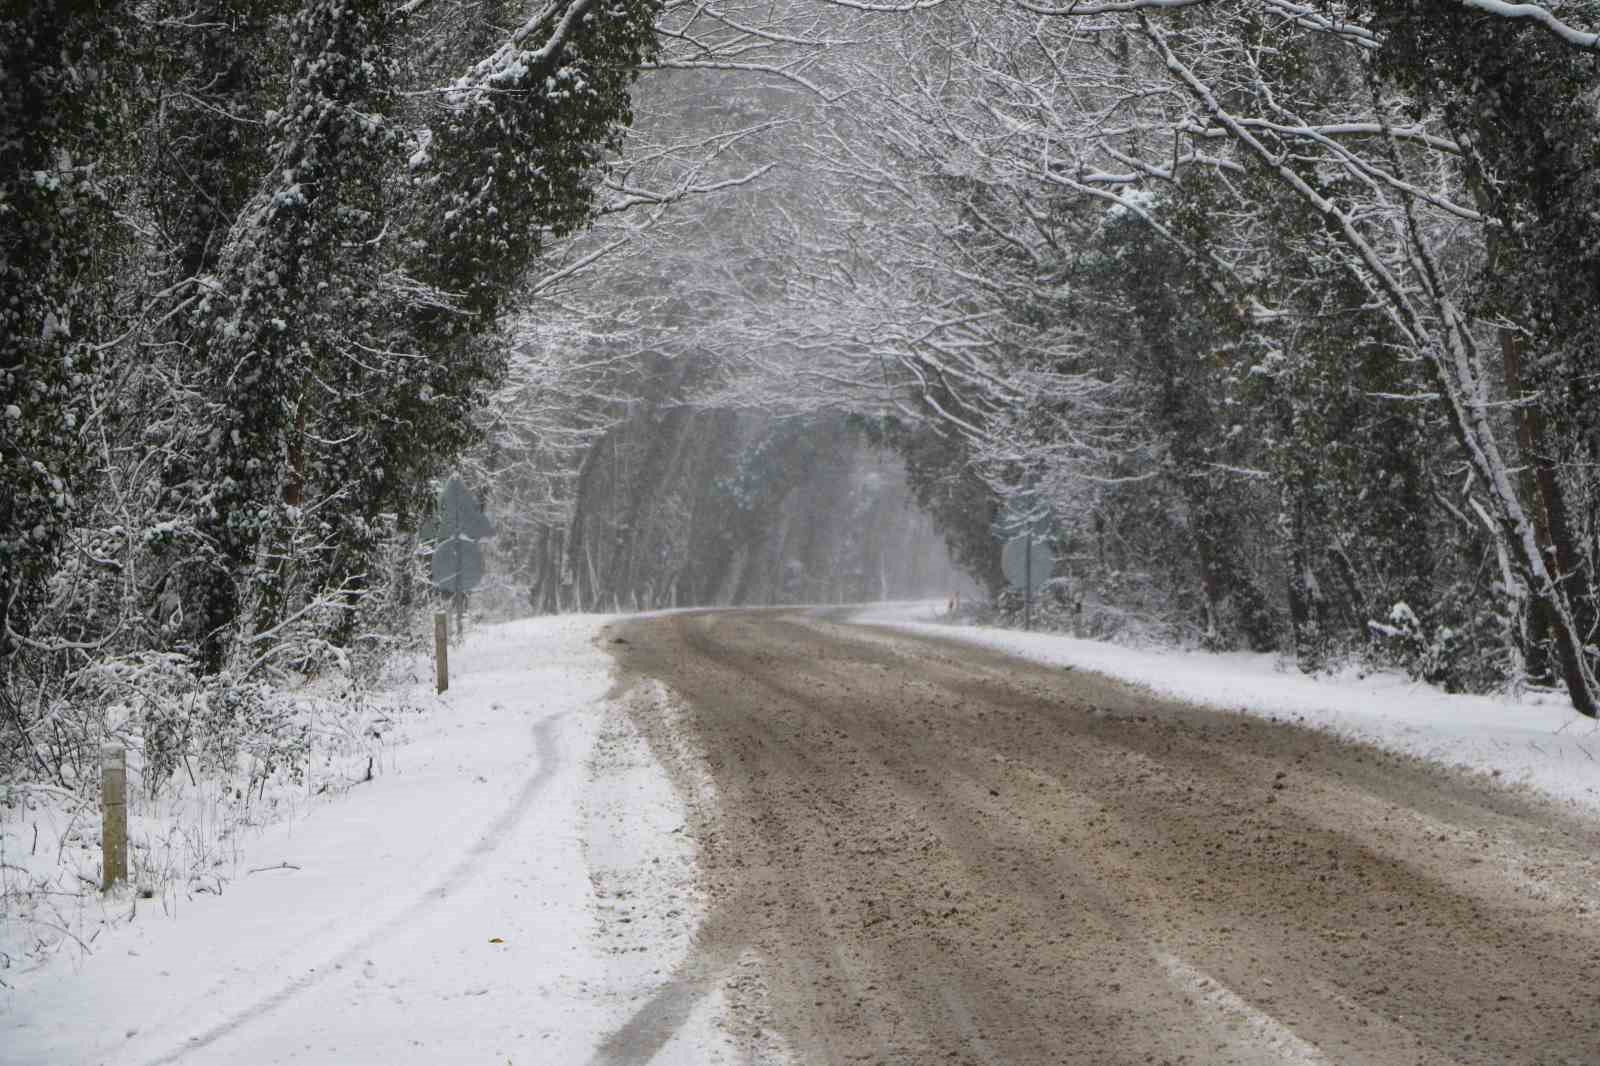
pixel 1311 18
pixel 1542 16
pixel 1102 7
pixel 634 195
pixel 1334 130
pixel 512 60
pixel 773 69
pixel 1447 349
pixel 904 7
pixel 1306 16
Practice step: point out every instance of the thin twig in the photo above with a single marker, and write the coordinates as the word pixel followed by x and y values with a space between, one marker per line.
pixel 36 920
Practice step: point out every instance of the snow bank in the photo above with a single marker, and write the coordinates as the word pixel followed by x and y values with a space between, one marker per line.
pixel 504 890
pixel 1536 740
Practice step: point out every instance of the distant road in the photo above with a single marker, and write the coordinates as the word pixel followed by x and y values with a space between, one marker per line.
pixel 942 855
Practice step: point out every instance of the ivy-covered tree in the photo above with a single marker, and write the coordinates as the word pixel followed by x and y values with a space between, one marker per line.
pixel 207 73
pixel 55 100
pixel 298 261
pixel 352 327
pixel 511 158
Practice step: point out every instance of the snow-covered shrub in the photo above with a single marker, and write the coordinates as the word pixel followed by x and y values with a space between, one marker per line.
pixel 1460 652
pixel 392 617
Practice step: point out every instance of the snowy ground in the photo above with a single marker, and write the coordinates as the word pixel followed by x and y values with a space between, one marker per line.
pixel 507 889
pixel 513 886
pixel 1535 741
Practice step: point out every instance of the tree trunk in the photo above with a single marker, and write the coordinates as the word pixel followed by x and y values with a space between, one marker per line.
pixel 1536 644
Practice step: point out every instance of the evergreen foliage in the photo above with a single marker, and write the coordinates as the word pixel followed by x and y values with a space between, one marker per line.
pixel 54 212
pixel 255 259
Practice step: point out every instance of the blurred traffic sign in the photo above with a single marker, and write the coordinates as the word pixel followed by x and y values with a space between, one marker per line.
pixel 1027 562
pixel 457 527
pixel 457 515
pixel 457 565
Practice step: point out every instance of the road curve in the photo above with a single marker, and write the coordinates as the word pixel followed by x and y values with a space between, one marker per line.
pixel 943 855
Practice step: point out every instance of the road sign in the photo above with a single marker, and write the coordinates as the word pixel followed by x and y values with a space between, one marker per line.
pixel 457 565
pixel 458 515
pixel 1020 570
pixel 457 560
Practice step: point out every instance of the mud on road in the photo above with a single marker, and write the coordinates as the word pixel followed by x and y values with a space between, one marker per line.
pixel 942 855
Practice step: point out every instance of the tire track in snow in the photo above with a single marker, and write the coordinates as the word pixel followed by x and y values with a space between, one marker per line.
pixel 721 934
pixel 719 941
pixel 487 843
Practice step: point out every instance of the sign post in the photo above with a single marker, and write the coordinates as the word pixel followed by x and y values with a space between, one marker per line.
pixel 1027 587
pixel 1026 564
pixel 441 650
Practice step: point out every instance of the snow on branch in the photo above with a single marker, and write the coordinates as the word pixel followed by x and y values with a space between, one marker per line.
pixel 900 8
pixel 1541 15
pixel 511 60
pixel 1300 15
pixel 747 68
pixel 1305 16
pixel 1104 7
pixel 634 196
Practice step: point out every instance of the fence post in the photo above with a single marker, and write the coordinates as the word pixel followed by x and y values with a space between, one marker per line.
pixel 441 648
pixel 114 816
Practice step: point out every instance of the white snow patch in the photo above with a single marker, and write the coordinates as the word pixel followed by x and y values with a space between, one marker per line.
pixel 450 910
pixel 689 763
pixel 641 863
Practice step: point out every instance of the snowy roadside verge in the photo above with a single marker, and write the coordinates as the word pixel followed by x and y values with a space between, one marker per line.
pixel 277 753
pixel 1535 741
pixel 450 909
